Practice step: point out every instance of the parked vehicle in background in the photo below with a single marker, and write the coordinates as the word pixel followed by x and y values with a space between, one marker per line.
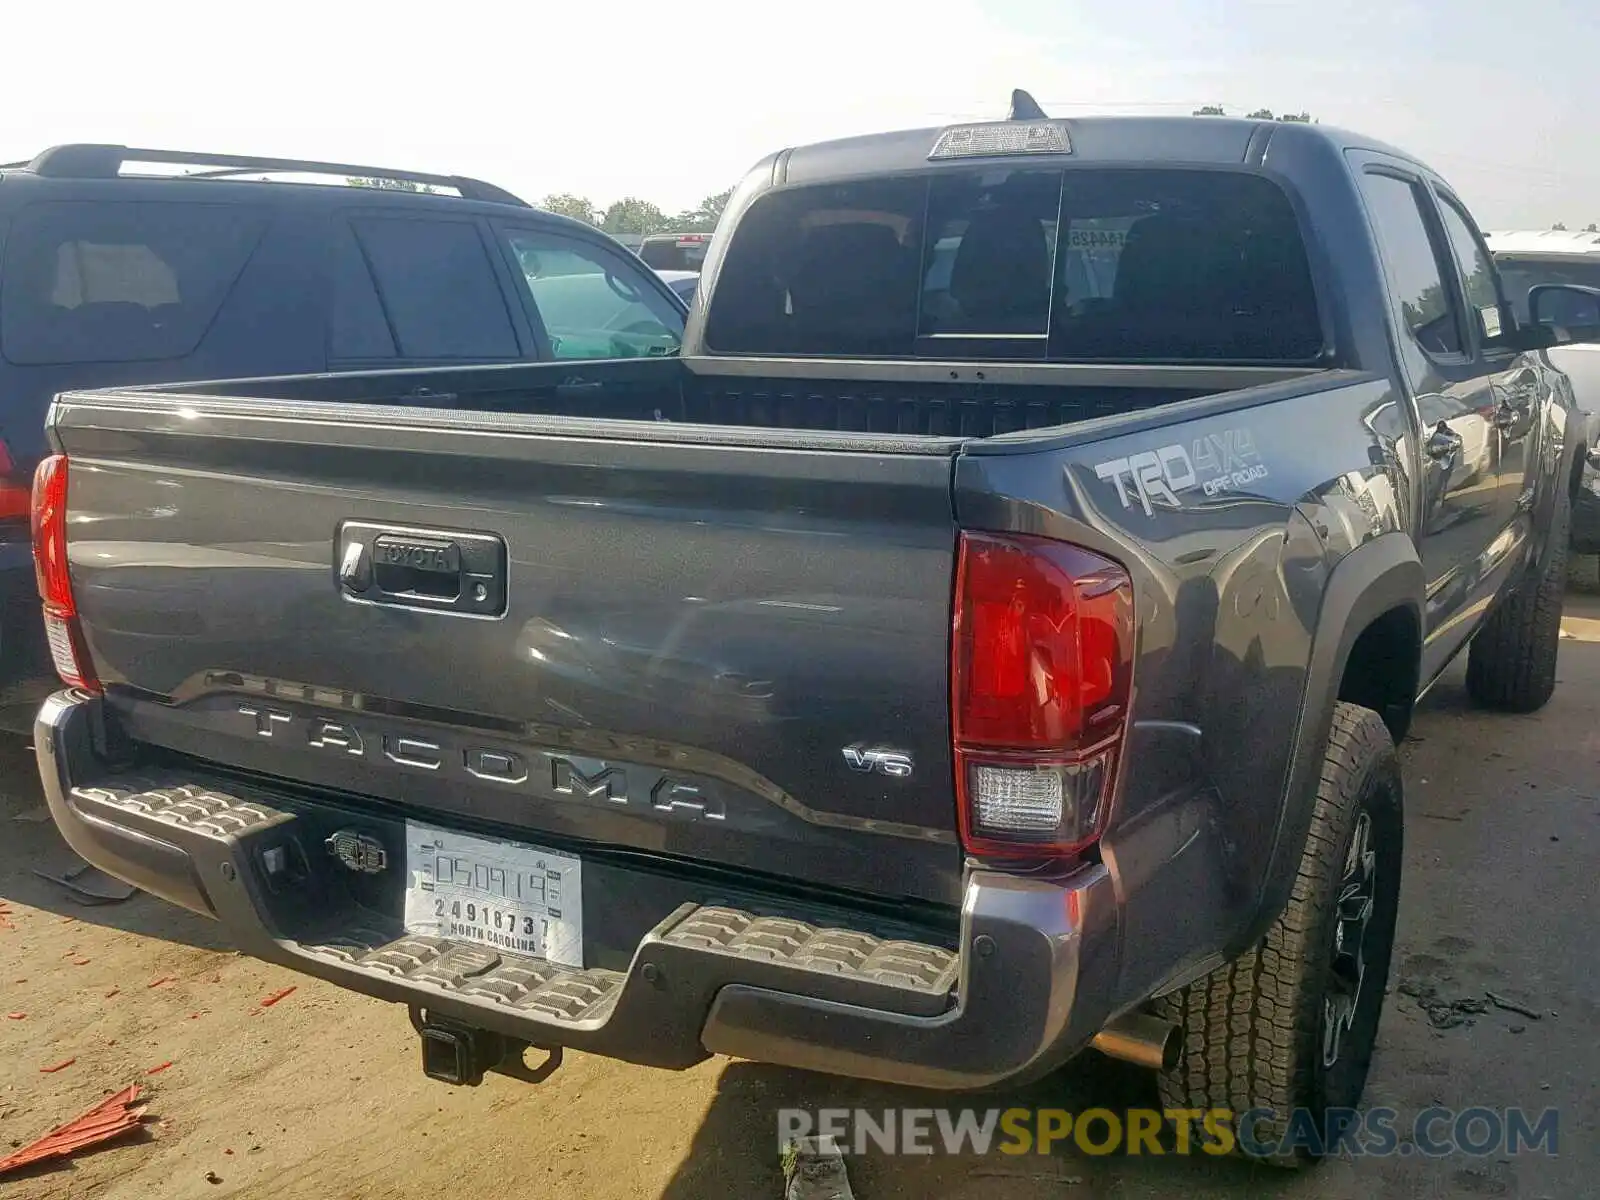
pixel 928 675
pixel 675 251
pixel 1527 258
pixel 683 283
pixel 115 268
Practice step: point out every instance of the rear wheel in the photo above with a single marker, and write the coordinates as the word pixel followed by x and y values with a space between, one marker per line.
pixel 1511 664
pixel 1288 1029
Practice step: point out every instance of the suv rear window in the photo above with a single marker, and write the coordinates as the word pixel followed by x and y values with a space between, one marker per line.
pixel 438 288
pixel 1082 265
pixel 89 281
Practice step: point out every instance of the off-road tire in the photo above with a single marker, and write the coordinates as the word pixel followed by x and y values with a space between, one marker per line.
pixel 1511 664
pixel 1253 1031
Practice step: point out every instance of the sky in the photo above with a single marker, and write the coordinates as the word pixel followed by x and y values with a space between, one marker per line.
pixel 627 98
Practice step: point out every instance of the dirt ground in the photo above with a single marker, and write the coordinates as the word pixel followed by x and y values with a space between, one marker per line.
pixel 320 1095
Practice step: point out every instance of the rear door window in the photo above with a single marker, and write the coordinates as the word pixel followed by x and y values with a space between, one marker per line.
pixel 591 302
pixel 1476 267
pixel 1081 265
pixel 358 328
pixel 438 289
pixel 1411 262
pixel 102 281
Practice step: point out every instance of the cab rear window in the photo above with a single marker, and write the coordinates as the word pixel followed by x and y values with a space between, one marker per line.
pixel 1081 265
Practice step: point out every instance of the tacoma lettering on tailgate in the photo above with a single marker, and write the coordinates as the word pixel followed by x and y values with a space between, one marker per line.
pixel 636 788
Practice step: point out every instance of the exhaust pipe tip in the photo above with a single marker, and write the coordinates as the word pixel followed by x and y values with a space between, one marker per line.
pixel 1142 1039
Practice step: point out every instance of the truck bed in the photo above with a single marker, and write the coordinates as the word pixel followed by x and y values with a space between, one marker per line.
pixel 930 400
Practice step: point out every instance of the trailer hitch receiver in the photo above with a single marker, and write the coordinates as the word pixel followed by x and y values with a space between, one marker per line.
pixel 461 1055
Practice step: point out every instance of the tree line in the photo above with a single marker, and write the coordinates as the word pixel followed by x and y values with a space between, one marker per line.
pixel 628 215
pixel 634 215
pixel 1260 114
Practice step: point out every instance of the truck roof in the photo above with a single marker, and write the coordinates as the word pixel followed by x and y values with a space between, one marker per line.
pixel 1549 243
pixel 1106 140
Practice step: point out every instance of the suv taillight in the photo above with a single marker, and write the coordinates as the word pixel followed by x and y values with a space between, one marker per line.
pixel 13 491
pixel 1041 684
pixel 55 583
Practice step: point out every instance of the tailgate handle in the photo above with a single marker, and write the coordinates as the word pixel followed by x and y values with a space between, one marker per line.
pixel 445 570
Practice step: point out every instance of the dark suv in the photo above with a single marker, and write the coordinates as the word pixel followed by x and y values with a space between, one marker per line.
pixel 122 266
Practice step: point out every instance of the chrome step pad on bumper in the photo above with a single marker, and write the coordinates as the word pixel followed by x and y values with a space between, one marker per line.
pixel 566 995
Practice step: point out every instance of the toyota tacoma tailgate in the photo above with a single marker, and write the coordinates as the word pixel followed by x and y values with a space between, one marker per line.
pixel 729 654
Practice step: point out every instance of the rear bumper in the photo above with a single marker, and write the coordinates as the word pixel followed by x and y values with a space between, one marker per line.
pixel 1028 982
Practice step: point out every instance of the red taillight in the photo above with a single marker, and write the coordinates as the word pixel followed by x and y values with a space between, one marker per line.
pixel 1041 678
pixel 55 583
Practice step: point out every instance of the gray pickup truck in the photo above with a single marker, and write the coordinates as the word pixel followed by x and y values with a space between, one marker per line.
pixel 989 639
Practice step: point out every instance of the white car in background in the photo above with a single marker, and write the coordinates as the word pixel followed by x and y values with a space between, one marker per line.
pixel 682 283
pixel 1526 258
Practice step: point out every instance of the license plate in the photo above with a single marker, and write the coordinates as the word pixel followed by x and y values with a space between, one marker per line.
pixel 503 895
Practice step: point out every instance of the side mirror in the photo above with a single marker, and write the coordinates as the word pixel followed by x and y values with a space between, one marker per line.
pixel 1570 313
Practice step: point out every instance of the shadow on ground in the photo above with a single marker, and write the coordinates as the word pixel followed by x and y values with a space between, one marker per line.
pixel 735 1152
pixel 29 843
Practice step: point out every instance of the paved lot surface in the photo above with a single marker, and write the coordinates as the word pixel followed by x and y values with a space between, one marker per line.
pixel 320 1095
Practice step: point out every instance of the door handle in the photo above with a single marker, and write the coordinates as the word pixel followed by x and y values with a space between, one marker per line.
pixel 1443 442
pixel 444 570
pixel 1508 415
pixel 1520 389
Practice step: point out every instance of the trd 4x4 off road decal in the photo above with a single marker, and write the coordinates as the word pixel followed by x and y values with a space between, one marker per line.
pixel 1213 464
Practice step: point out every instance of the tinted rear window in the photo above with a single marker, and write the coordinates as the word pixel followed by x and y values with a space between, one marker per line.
pixel 438 288
pixel 88 281
pixel 673 254
pixel 1072 266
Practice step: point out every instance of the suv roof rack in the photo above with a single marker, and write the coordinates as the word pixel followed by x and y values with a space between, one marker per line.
pixel 93 161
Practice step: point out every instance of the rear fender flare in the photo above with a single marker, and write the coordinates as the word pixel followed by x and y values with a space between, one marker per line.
pixel 1380 575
